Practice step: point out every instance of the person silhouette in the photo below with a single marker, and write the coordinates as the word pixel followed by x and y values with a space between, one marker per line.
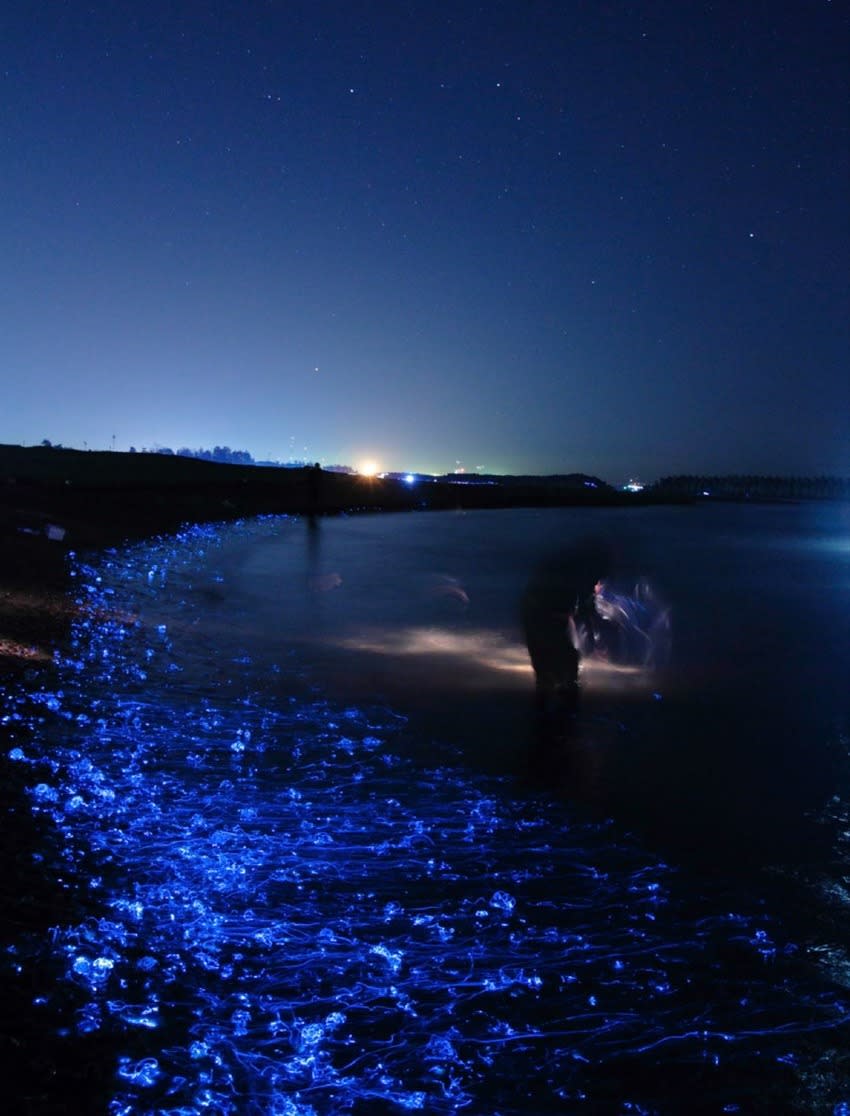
pixel 314 487
pixel 559 618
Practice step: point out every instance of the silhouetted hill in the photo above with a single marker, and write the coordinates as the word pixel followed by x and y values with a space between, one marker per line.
pixel 100 497
pixel 567 481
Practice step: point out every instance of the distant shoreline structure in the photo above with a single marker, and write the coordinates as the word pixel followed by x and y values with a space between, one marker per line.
pixel 91 498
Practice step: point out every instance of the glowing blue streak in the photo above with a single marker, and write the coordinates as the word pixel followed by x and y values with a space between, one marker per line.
pixel 299 920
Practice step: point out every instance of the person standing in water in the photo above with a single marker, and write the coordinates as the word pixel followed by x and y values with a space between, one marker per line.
pixel 314 487
pixel 559 619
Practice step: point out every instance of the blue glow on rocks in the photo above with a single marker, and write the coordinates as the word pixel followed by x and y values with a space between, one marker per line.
pixel 288 915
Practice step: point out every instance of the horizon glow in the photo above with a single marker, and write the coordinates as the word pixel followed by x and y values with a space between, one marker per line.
pixel 611 240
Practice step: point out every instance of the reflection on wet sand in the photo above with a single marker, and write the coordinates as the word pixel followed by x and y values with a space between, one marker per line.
pixel 31 622
pixel 11 649
pixel 486 657
pixel 478 652
pixel 34 622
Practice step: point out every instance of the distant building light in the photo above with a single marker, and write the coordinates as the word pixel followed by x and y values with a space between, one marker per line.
pixel 410 479
pixel 706 492
pixel 633 486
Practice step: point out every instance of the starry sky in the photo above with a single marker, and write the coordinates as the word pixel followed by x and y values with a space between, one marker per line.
pixel 522 237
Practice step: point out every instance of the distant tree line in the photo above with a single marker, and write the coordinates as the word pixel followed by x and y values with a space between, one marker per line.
pixel 228 456
pixel 753 487
pixel 224 454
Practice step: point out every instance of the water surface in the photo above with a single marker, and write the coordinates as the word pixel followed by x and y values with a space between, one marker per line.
pixel 330 859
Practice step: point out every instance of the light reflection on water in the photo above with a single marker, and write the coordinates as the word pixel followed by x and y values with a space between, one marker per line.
pixel 291 914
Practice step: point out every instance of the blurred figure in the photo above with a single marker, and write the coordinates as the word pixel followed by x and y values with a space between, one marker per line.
pixel 445 588
pixel 559 619
pixel 631 629
pixel 318 581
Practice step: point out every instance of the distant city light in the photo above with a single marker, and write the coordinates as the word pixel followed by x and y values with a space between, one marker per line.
pixel 633 486
pixel 410 479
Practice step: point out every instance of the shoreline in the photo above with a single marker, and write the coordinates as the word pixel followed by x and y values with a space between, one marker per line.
pixel 54 501
pixel 93 498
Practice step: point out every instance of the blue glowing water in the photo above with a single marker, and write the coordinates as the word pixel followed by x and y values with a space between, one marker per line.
pixel 295 778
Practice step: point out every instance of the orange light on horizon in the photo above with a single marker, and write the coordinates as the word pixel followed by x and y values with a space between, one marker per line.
pixel 369 469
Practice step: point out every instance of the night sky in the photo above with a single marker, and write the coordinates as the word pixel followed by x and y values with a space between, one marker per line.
pixel 523 237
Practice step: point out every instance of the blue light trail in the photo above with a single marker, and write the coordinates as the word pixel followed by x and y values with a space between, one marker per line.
pixel 285 914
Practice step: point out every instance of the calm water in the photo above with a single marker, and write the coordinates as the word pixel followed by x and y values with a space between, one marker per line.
pixel 331 860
